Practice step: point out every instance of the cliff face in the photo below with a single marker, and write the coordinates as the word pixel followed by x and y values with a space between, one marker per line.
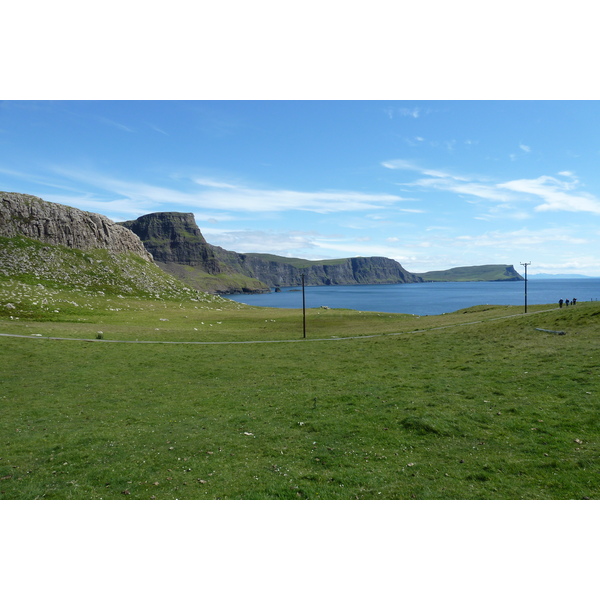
pixel 179 248
pixel 55 224
pixel 348 271
pixel 511 274
pixel 174 238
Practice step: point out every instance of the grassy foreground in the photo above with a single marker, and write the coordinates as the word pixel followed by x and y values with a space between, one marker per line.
pixel 477 404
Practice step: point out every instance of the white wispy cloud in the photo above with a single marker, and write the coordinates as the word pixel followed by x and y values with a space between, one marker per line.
pixel 415 141
pixel 303 244
pixel 415 113
pixel 122 209
pixel 43 180
pixel 213 183
pixel 521 237
pixel 115 124
pixel 354 247
pixel 262 200
pixel 207 193
pixel 284 243
pixel 157 129
pixel 212 217
pixel 476 189
pixel 580 264
pixel 408 165
pixel 555 194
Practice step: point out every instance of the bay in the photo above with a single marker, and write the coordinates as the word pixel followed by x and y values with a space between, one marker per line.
pixel 428 298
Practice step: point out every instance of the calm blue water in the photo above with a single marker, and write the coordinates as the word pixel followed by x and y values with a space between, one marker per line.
pixel 429 298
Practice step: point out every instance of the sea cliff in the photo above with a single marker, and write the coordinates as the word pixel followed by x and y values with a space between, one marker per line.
pixel 281 271
pixel 179 247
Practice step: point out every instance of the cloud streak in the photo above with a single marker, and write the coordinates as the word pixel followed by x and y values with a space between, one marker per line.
pixel 521 238
pixel 210 194
pixel 115 124
pixel 552 193
pixel 555 194
pixel 285 243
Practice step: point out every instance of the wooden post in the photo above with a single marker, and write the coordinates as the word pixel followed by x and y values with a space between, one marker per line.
pixel 525 265
pixel 303 308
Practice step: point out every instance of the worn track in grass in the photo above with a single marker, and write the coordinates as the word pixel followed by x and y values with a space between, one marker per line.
pixel 331 339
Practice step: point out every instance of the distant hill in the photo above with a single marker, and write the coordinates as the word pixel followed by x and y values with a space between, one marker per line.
pixel 480 273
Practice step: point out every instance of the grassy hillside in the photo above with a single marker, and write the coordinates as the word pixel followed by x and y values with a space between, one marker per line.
pixel 223 283
pixel 476 273
pixel 478 404
pixel 40 281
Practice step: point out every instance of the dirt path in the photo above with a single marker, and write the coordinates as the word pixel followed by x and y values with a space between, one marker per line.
pixel 331 339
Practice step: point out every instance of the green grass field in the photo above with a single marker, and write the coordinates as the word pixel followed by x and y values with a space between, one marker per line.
pixel 478 404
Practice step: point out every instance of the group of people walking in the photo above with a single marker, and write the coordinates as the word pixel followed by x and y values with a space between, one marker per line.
pixel 567 302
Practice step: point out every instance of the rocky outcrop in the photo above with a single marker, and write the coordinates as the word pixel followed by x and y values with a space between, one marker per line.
pixel 174 237
pixel 55 224
pixel 58 246
pixel 179 248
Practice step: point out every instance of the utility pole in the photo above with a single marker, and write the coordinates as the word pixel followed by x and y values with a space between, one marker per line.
pixel 303 307
pixel 525 265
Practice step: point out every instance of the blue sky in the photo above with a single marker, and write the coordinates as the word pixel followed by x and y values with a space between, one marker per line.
pixel 431 184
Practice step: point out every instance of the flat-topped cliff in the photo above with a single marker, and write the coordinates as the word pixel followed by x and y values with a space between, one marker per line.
pixel 476 273
pixel 179 248
pixel 174 237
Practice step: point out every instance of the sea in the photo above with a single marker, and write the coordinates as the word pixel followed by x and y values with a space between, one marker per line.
pixel 428 298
